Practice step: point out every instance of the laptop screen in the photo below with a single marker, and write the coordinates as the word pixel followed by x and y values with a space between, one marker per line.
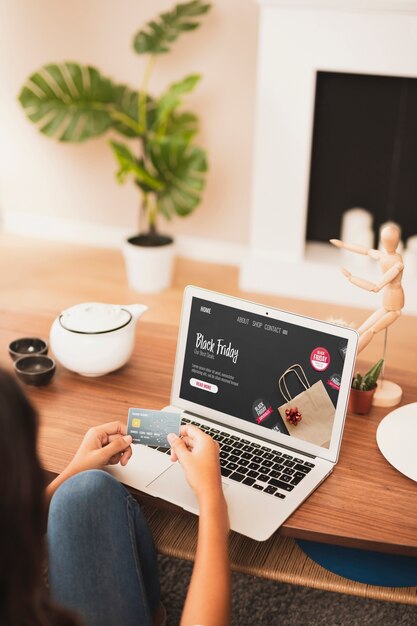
pixel 284 377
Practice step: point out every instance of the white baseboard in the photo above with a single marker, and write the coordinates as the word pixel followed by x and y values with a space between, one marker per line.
pixel 63 229
pixel 106 236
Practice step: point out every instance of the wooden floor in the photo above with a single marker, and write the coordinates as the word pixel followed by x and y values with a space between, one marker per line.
pixel 47 276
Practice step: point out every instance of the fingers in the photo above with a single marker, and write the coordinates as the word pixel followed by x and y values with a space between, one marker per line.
pixel 115 427
pixel 188 442
pixel 189 435
pixel 113 438
pixel 192 435
pixel 191 439
pixel 112 428
pixel 111 453
pixel 178 446
pixel 126 456
pixel 190 430
pixel 103 433
pixel 121 457
pixel 114 460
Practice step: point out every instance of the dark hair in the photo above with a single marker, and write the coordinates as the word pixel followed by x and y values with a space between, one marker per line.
pixel 24 599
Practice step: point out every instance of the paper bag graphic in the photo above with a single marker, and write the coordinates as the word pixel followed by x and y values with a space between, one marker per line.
pixel 314 404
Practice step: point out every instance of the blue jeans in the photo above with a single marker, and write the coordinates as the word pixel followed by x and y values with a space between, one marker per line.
pixel 102 560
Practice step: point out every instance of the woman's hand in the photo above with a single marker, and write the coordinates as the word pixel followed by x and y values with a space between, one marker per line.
pixel 198 454
pixel 102 445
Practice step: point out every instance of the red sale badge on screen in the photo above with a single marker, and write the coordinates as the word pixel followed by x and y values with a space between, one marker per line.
pixel 320 359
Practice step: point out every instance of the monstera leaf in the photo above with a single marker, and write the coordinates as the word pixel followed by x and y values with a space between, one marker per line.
pixel 157 36
pixel 75 102
pixel 130 165
pixel 182 125
pixel 125 115
pixel 181 167
pixel 171 99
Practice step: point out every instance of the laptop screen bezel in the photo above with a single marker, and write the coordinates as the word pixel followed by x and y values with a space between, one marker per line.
pixel 331 453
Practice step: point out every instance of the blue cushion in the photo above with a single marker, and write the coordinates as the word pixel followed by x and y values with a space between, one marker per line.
pixel 371 568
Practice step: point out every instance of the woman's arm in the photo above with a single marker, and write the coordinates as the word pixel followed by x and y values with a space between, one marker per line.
pixel 208 598
pixel 102 445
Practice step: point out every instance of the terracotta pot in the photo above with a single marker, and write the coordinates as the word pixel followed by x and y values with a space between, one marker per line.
pixel 360 402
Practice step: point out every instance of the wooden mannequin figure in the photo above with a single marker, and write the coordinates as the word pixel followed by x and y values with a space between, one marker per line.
pixel 391 264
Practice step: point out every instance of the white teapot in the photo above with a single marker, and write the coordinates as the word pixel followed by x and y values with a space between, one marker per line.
pixel 93 338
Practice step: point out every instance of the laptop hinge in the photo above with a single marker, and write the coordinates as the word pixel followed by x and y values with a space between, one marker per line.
pixel 245 433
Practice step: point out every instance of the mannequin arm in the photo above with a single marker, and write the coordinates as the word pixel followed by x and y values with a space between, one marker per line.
pixel 375 287
pixel 359 282
pixel 388 276
pixel 374 254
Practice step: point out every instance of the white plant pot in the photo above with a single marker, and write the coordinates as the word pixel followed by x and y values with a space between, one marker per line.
pixel 149 269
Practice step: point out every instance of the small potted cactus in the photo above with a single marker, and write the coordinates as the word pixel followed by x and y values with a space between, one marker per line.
pixel 363 389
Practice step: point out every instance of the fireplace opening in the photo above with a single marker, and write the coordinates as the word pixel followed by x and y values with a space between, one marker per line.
pixel 364 152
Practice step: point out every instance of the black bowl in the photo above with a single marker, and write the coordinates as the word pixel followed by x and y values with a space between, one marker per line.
pixel 27 346
pixel 35 370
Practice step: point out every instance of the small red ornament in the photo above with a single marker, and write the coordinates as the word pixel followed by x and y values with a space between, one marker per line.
pixel 293 416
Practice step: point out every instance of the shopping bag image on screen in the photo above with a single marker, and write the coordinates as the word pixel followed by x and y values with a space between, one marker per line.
pixel 308 415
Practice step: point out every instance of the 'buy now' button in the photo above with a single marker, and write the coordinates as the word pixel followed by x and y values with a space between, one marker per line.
pixel 202 384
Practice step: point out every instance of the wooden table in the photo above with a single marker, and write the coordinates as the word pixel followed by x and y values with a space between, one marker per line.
pixel 365 503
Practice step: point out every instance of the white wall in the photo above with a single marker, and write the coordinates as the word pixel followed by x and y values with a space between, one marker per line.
pixel 43 178
pixel 376 37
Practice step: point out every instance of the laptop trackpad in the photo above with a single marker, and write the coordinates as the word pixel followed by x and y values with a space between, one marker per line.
pixel 173 487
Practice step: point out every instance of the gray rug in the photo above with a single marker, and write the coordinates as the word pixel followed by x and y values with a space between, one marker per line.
pixel 258 602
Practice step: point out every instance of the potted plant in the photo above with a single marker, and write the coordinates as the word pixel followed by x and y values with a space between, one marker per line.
pixel 363 389
pixel 73 103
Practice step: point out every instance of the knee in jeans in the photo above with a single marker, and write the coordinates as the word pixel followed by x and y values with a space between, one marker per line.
pixel 87 487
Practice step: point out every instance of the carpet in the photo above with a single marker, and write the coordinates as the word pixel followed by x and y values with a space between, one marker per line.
pixel 259 602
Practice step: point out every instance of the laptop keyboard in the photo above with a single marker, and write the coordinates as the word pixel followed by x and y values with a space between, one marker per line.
pixel 256 466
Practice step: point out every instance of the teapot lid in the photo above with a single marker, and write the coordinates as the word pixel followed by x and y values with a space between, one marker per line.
pixel 94 317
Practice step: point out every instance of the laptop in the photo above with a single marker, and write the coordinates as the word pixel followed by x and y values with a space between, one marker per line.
pixel 272 388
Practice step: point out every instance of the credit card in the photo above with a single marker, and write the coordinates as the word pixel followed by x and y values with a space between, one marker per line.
pixel 151 428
